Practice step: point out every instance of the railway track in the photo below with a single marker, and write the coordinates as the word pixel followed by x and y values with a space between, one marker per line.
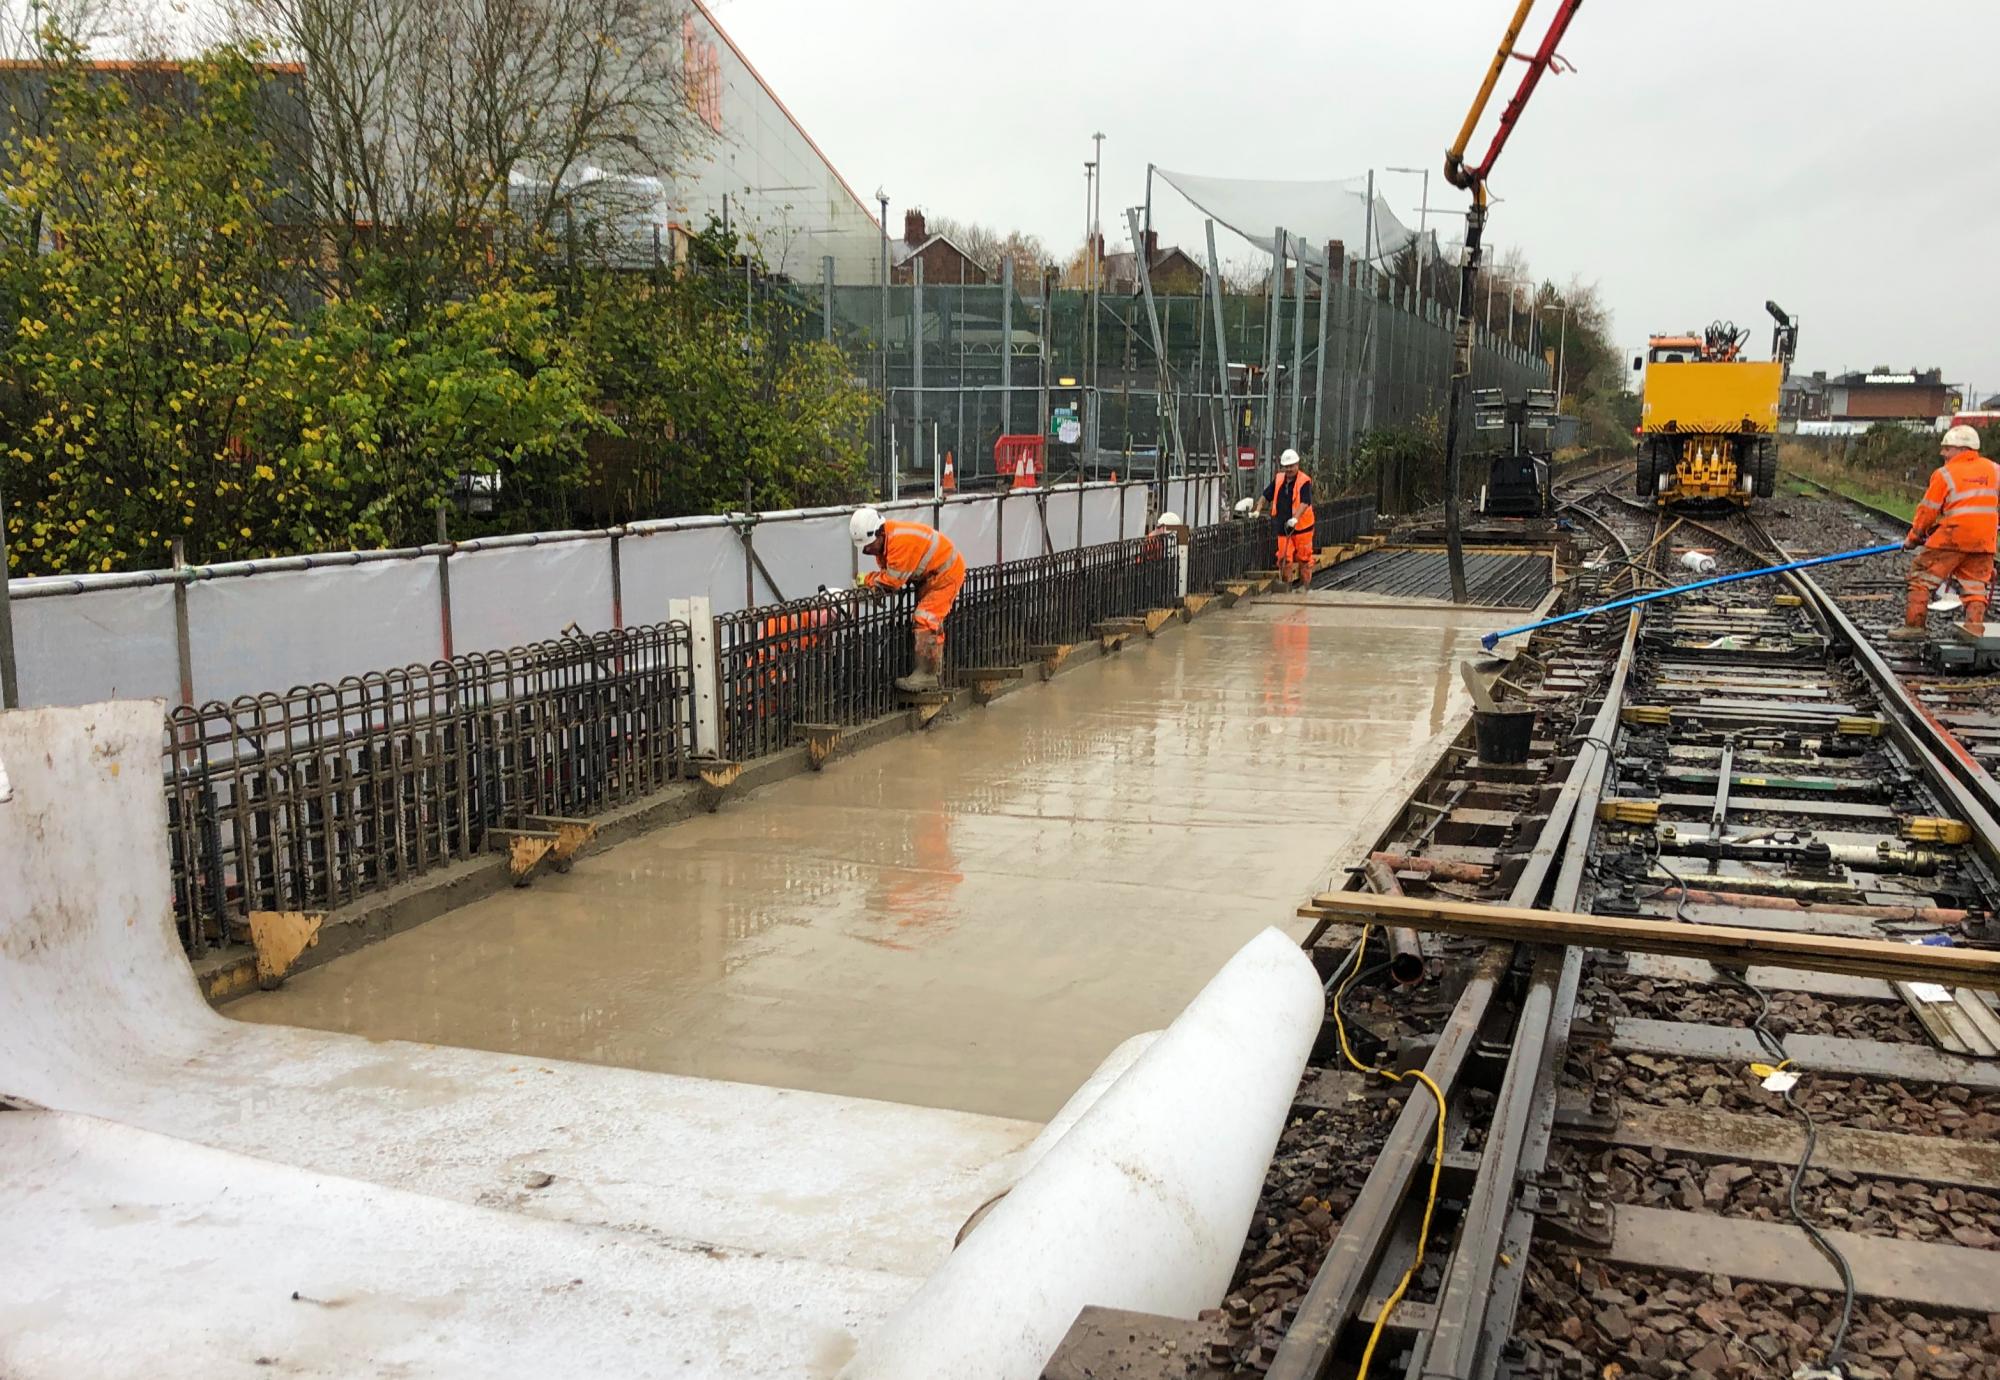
pixel 1648 1165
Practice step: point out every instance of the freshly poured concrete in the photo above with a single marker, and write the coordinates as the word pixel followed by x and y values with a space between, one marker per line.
pixel 969 918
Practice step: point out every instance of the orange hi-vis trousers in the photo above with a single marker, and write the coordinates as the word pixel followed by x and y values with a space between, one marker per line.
pixel 1933 566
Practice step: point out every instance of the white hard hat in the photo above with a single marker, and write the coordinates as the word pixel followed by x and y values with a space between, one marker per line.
pixel 1289 458
pixel 1170 520
pixel 1960 436
pixel 863 527
pixel 1244 505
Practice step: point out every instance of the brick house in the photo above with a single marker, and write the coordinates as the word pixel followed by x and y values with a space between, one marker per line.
pixel 943 260
pixel 1173 269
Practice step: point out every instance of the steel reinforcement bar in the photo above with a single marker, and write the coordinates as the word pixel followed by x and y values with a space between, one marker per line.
pixel 315 797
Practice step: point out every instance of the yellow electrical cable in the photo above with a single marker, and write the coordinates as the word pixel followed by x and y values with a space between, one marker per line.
pixel 1437 1159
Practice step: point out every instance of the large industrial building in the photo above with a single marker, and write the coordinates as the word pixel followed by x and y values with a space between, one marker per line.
pixel 761 172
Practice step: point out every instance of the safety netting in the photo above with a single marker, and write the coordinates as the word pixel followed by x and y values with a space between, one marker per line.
pixel 1311 213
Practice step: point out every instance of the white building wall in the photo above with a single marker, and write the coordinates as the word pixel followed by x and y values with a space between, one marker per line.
pixel 780 187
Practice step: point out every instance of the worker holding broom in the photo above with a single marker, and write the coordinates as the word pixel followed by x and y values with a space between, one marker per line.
pixel 1288 498
pixel 1957 524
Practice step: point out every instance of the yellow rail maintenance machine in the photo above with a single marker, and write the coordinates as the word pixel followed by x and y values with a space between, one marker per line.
pixel 1708 425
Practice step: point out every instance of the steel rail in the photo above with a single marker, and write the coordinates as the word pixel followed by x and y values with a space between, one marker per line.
pixel 1482 1290
pixel 1468 1331
pixel 1307 1351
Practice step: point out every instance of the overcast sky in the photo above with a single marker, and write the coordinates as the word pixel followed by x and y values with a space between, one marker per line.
pixel 1839 156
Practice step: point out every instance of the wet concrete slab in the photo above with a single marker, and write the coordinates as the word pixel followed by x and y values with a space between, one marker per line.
pixel 968 918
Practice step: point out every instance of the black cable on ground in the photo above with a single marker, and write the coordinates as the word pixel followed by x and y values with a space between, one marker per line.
pixel 1775 1047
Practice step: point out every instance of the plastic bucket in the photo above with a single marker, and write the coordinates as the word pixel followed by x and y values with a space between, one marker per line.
pixel 1504 735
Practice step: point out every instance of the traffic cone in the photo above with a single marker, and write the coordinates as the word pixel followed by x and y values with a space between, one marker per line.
pixel 1114 476
pixel 950 475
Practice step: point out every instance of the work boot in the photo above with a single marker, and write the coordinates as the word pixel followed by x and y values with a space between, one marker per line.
pixel 1974 621
pixel 1909 632
pixel 930 665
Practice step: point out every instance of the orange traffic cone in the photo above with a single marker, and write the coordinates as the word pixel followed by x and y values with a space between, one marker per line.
pixel 950 474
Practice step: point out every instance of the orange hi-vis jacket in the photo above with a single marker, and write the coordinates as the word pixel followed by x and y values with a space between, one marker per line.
pixel 912 552
pixel 1961 509
pixel 1300 483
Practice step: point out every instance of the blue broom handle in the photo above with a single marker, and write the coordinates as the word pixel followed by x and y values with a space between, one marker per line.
pixel 1490 640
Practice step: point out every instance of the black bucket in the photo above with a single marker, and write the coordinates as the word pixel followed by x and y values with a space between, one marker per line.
pixel 1504 735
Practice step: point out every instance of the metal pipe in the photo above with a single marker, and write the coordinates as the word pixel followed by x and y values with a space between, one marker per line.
pixel 1931 915
pixel 1436 867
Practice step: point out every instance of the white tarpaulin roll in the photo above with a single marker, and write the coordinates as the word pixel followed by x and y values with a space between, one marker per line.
pixel 1138 1206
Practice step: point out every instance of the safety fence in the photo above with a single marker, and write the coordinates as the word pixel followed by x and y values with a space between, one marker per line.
pixel 327 793
pixel 201 633
pixel 834 659
pixel 1229 551
pixel 1342 520
pixel 319 796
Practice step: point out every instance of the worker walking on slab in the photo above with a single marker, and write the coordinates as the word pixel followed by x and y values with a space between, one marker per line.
pixel 1957 523
pixel 910 554
pixel 1289 499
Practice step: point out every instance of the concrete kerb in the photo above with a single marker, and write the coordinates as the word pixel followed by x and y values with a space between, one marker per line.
pixel 228 974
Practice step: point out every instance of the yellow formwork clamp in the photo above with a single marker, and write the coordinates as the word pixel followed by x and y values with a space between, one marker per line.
pixel 1933 829
pixel 1643 812
pixel 1786 601
pixel 1657 714
pixel 1859 726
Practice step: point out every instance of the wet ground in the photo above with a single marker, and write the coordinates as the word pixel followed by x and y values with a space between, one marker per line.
pixel 968 918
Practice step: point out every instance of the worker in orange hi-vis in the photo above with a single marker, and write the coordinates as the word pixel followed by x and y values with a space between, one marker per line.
pixel 1957 523
pixel 1289 499
pixel 1167 533
pixel 909 554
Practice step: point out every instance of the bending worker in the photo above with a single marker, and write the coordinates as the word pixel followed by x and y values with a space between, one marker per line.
pixel 1289 499
pixel 1960 515
pixel 911 554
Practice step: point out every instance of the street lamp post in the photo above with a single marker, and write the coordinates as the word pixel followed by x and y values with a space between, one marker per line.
pixel 882 349
pixel 10 689
pixel 1562 346
pixel 1423 220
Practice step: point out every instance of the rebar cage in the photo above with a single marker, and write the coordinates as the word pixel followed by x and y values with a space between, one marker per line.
pixel 319 796
pixel 1230 550
pixel 832 659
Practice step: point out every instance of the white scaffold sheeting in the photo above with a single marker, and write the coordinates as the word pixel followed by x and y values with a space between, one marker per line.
pixel 1134 501
pixel 101 645
pixel 1021 526
pixel 677 563
pixel 802 555
pixel 514 595
pixel 974 528
pixel 1312 212
pixel 1061 511
pixel 275 626
pixel 1101 510
pixel 252 634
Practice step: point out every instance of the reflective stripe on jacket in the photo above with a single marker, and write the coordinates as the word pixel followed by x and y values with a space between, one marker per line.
pixel 911 552
pixel 1300 490
pixel 1961 509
